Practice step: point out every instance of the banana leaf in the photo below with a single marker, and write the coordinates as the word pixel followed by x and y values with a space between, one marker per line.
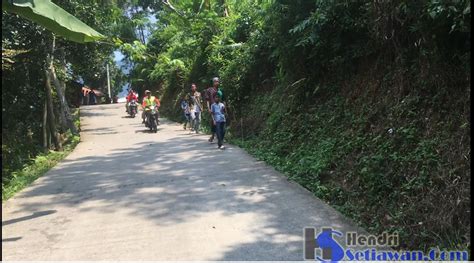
pixel 53 18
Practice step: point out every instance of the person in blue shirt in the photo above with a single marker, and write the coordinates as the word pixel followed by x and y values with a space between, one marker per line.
pixel 218 118
pixel 186 110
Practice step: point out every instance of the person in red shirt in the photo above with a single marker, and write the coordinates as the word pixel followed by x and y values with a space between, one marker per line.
pixel 131 96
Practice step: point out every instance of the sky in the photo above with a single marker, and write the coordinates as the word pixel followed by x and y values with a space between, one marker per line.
pixel 118 56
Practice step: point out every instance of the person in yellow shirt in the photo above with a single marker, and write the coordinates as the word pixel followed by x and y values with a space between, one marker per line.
pixel 148 101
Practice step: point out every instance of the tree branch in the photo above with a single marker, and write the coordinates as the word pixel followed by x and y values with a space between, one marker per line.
pixel 170 6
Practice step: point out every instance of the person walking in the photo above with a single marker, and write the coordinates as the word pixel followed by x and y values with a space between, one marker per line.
pixel 197 109
pixel 218 118
pixel 210 97
pixel 85 95
pixel 186 111
pixel 92 97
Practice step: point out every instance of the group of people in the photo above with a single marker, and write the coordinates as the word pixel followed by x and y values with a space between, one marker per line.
pixel 192 106
pixel 147 103
pixel 88 96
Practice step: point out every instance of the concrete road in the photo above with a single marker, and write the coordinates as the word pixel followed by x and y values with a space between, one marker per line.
pixel 127 194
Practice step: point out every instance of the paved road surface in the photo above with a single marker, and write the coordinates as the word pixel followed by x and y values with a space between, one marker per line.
pixel 126 194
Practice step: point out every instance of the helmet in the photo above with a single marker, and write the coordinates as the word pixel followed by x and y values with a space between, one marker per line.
pixel 147 91
pixel 215 79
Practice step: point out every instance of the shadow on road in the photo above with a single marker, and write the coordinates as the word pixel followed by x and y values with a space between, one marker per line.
pixel 34 215
pixel 86 113
pixel 203 180
pixel 11 239
pixel 147 131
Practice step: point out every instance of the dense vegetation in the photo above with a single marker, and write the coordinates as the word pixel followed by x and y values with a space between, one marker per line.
pixel 365 103
pixel 35 63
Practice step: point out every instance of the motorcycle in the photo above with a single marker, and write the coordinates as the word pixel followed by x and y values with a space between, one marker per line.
pixel 132 108
pixel 152 118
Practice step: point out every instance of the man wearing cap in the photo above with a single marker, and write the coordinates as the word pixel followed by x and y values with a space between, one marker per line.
pixel 197 102
pixel 210 97
pixel 148 101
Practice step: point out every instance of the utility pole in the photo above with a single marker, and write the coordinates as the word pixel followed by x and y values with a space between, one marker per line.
pixel 108 82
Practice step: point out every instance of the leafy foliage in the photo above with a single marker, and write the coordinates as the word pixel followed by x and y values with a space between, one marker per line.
pixel 25 47
pixel 366 104
pixel 53 18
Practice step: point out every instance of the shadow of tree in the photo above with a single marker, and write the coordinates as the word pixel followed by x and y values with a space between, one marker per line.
pixel 34 215
pixel 11 239
pixel 174 181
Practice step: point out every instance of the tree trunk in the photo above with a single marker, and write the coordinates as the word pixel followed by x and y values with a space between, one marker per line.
pixel 224 7
pixel 65 114
pixel 51 118
pixel 67 111
pixel 50 68
pixel 45 124
pixel 49 137
pixel 142 34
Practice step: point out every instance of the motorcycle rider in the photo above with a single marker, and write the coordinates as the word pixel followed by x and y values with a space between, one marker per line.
pixel 131 96
pixel 149 101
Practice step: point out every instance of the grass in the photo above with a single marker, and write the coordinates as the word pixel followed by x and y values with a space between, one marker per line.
pixel 40 165
pixel 413 180
pixel 383 182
